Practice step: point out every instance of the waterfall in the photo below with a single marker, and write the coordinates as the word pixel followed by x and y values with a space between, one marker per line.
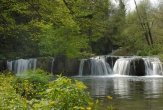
pixel 127 65
pixel 95 66
pixel 153 66
pixel 98 66
pixel 122 66
pixel 81 67
pixel 9 65
pixel 52 65
pixel 21 65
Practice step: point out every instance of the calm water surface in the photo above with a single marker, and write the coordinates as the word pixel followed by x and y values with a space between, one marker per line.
pixel 129 93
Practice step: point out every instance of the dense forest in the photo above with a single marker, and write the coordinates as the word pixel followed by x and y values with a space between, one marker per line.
pixel 79 28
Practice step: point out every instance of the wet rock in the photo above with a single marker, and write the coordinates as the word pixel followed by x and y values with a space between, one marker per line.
pixel 111 60
pixel 137 67
pixel 3 65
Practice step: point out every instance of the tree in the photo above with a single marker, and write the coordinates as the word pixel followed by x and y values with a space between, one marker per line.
pixel 17 27
pixel 144 21
pixel 25 23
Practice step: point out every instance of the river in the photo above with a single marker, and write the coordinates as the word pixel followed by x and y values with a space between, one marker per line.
pixel 128 92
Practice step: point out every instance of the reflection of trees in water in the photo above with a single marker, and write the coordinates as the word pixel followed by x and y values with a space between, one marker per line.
pixel 102 87
pixel 99 87
pixel 153 88
pixel 126 88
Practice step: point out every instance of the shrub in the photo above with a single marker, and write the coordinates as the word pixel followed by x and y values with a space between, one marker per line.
pixel 9 100
pixel 35 91
pixel 30 83
pixel 64 94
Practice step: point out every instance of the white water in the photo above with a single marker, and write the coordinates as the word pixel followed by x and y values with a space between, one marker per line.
pixel 81 67
pixel 21 65
pixel 99 66
pixel 122 66
pixel 52 65
pixel 153 66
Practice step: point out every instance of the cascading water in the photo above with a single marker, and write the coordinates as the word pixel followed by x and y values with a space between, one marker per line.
pixel 98 66
pixel 122 66
pixel 131 65
pixel 153 66
pixel 81 67
pixel 21 65
pixel 52 65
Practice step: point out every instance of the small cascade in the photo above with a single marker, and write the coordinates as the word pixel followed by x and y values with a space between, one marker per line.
pixel 9 65
pixel 122 66
pixel 52 65
pixel 153 66
pixel 81 66
pixel 98 66
pixel 21 65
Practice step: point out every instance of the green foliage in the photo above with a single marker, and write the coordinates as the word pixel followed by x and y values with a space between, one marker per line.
pixel 64 94
pixel 61 40
pixel 16 29
pixel 34 22
pixel 66 27
pixel 9 99
pixel 35 91
pixel 93 19
pixel 31 83
pixel 76 28
pixel 133 36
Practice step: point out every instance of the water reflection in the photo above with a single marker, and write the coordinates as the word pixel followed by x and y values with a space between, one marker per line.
pixel 99 87
pixel 153 88
pixel 121 87
pixel 124 87
pixel 137 93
